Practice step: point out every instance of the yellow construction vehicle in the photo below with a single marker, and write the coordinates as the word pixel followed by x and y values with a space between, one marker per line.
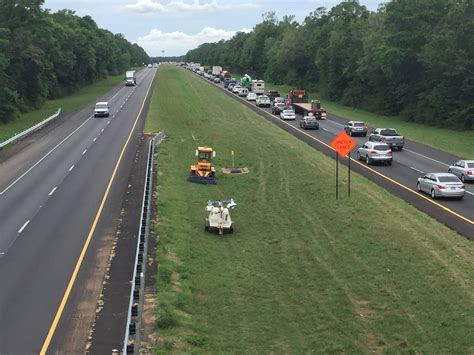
pixel 202 171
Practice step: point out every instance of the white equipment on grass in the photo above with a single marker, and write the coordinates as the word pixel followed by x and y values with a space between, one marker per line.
pixel 219 217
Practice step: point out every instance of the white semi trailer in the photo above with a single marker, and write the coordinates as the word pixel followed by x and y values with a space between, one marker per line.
pixel 130 78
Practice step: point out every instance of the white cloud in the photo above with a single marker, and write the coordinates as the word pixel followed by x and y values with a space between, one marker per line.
pixel 147 6
pixel 178 43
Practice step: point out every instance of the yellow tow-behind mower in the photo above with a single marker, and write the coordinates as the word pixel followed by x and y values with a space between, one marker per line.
pixel 202 172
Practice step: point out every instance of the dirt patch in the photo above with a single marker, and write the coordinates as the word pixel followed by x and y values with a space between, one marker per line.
pixel 235 170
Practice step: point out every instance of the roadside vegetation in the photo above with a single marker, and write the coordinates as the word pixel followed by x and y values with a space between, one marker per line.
pixel 70 103
pixel 409 58
pixel 46 55
pixel 302 272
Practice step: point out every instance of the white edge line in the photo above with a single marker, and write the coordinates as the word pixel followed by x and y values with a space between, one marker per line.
pixel 24 226
pixel 52 191
pixel 44 157
pixel 469 192
pixel 424 156
pixel 84 152
pixel 421 172
pixel 72 167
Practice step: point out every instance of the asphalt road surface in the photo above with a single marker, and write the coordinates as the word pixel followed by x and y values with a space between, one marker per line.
pixel 408 165
pixel 50 195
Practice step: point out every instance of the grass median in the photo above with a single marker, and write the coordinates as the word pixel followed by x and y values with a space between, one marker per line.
pixel 70 103
pixel 302 272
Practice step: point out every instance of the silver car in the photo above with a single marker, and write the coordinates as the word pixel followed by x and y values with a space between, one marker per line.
pixel 356 127
pixel 441 185
pixel 372 152
pixel 463 169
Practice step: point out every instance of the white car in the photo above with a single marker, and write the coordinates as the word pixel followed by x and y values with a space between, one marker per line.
pixel 251 96
pixel 101 109
pixel 236 89
pixel 263 100
pixel 288 115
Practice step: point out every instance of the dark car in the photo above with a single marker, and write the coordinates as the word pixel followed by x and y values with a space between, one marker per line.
pixel 309 122
pixel 272 94
pixel 277 107
pixel 226 82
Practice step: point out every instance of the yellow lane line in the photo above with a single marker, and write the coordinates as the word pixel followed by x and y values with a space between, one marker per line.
pixel 465 219
pixel 62 305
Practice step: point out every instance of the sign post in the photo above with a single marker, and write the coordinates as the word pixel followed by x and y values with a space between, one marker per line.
pixel 343 144
pixel 232 153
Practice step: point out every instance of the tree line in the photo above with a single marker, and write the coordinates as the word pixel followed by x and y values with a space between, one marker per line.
pixel 412 58
pixel 167 59
pixel 46 55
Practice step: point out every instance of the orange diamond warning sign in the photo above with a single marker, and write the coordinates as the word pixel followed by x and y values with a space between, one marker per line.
pixel 343 144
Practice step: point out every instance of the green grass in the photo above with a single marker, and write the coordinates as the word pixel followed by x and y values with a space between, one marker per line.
pixel 77 101
pixel 459 143
pixel 302 272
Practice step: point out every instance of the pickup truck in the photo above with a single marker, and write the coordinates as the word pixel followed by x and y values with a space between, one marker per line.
pixel 388 136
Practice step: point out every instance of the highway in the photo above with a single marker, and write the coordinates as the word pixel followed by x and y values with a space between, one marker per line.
pixel 408 165
pixel 55 198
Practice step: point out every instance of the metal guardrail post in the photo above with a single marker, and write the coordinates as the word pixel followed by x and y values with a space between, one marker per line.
pixel 31 129
pixel 131 341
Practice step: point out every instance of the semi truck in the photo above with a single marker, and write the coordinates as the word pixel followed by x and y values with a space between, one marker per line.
pixel 311 109
pixel 216 70
pixel 297 97
pixel 224 75
pixel 298 100
pixel 258 87
pixel 246 81
pixel 130 78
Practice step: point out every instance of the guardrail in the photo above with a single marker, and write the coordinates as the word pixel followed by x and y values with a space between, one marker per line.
pixel 31 129
pixel 131 341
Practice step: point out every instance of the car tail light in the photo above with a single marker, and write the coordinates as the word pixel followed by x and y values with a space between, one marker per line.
pixel 441 187
pixel 469 172
pixel 373 152
pixel 365 127
pixel 389 152
pixel 462 187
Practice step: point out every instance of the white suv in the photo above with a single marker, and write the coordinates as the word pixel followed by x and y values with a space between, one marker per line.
pixel 263 100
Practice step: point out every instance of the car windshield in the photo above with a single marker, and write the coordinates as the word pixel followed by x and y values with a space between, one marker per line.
pixel 310 119
pixel 359 124
pixel 448 179
pixel 289 112
pixel 381 147
pixel 280 99
pixel 470 165
pixel 263 97
pixel 388 132
pixel 101 106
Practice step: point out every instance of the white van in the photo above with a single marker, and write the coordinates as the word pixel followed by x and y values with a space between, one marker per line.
pixel 101 109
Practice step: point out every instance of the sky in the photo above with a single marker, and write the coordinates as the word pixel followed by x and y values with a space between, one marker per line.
pixel 172 27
